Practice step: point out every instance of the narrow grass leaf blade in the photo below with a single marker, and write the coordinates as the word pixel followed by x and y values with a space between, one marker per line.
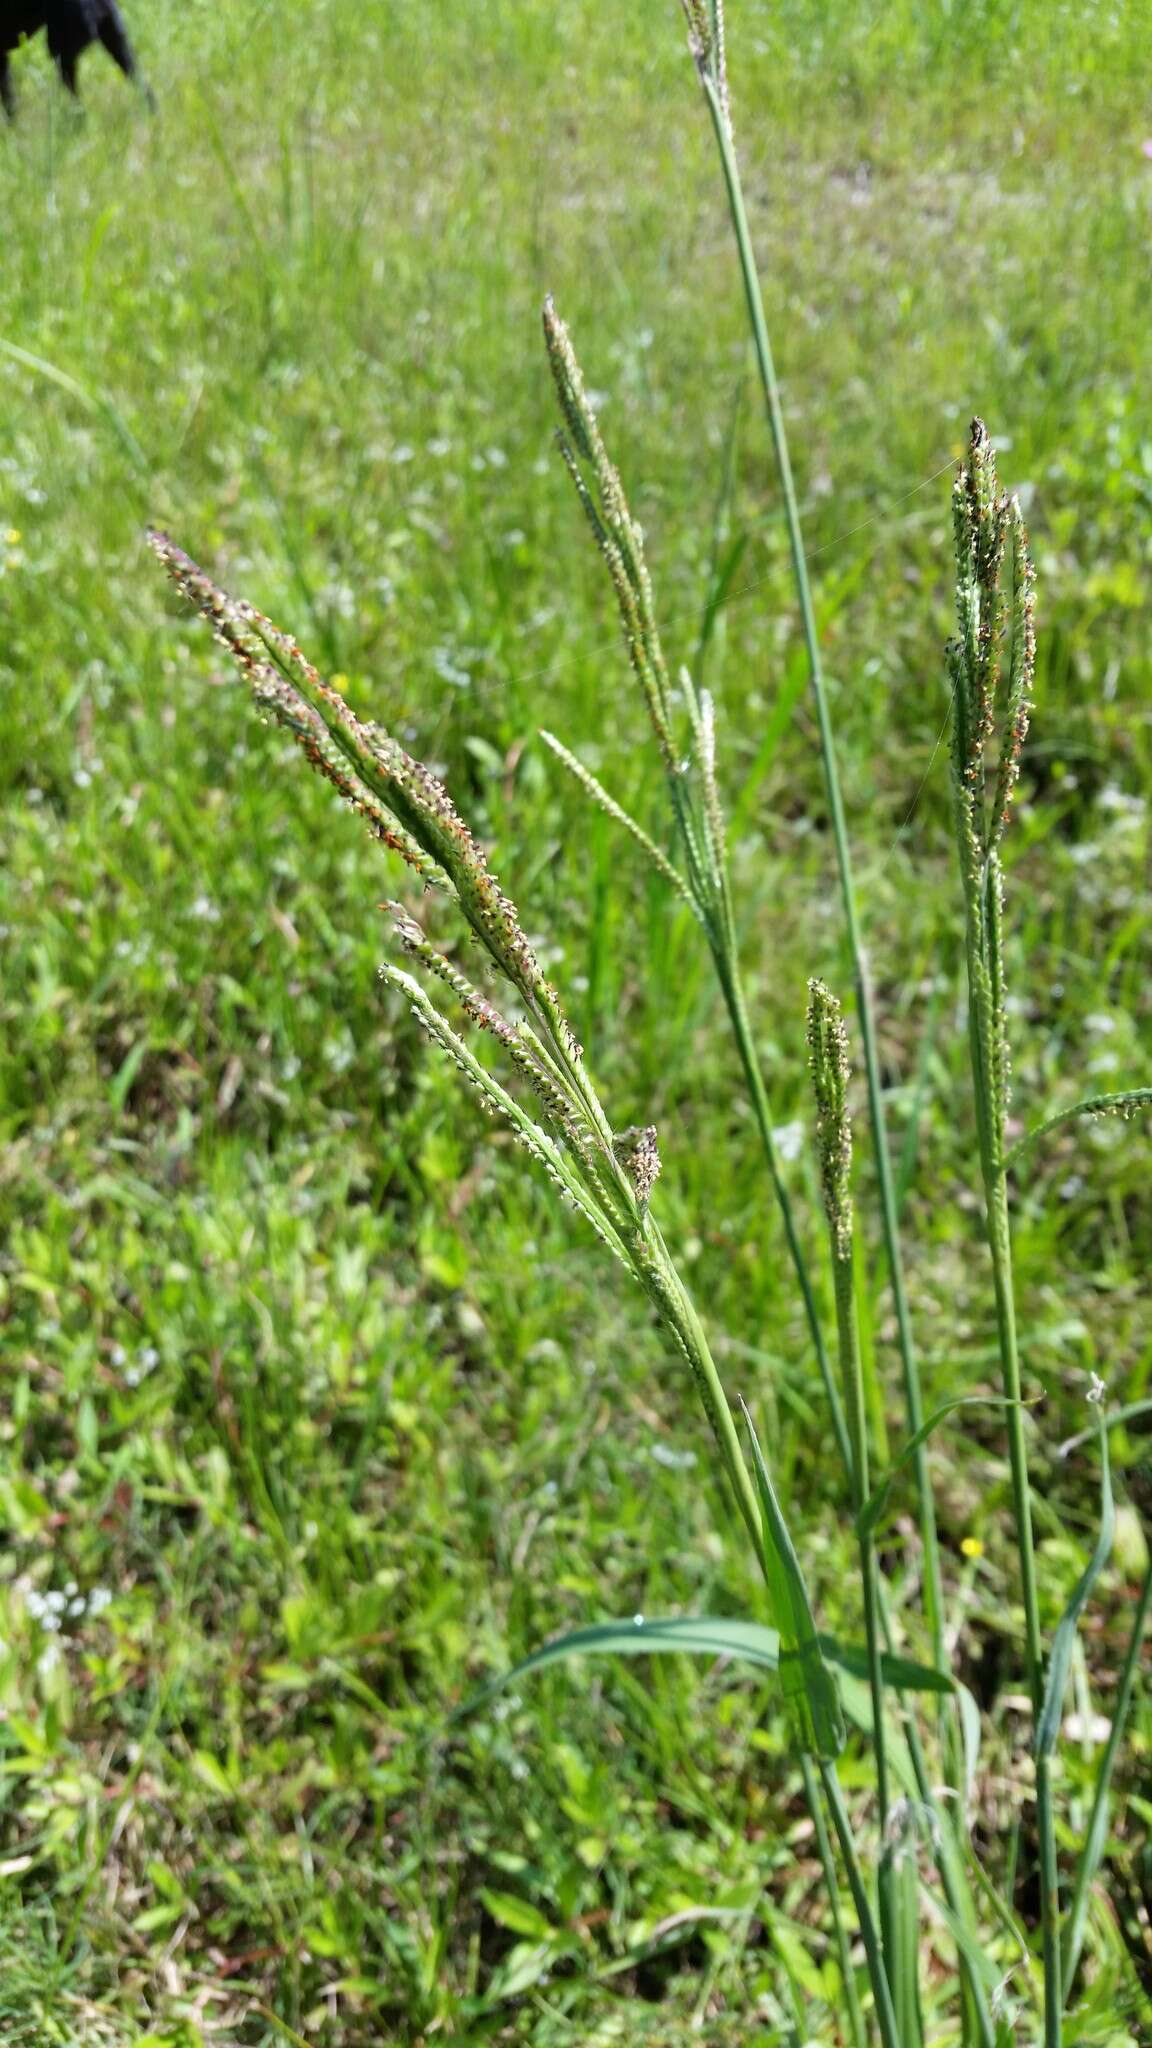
pixel 748 1642
pixel 877 1500
pixel 1096 1840
pixel 92 401
pixel 1048 1726
pixel 718 595
pixel 970 1731
pixel 900 1674
pixel 984 1969
pixel 906 1988
pixel 811 1699
pixel 1114 1416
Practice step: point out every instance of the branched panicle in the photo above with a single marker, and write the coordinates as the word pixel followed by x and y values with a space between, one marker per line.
pixel 519 1042
pixel 618 536
pixel 829 1067
pixel 402 801
pixel 407 807
pixel 1000 1061
pixel 250 638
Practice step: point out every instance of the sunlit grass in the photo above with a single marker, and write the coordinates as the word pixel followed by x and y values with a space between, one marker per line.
pixel 291 1362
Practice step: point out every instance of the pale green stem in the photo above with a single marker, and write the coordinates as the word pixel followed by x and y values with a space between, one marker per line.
pixel 843 1949
pixel 933 1589
pixel 853 1377
pixel 731 983
pixel 841 1820
pixel 956 1889
pixel 673 1301
pixel 1096 1836
pixel 990 1128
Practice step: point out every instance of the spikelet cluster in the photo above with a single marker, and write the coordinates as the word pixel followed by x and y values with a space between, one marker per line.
pixel 829 1067
pixel 705 20
pixel 407 805
pixel 608 1179
pixel 639 1154
pixel 691 773
pixel 992 701
pixel 618 535
pixel 991 708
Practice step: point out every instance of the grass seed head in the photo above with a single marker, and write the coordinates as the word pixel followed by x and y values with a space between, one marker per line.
pixel 618 535
pixel 406 806
pixel 988 531
pixel 705 20
pixel 638 1153
pixel 829 1066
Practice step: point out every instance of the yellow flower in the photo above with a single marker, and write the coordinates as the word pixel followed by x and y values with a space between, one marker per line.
pixel 972 1547
pixel 13 537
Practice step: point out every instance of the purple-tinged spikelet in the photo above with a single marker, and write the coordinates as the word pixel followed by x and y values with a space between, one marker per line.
pixel 404 803
pixel 638 1152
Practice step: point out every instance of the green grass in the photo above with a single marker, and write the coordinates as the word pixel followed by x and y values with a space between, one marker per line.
pixel 295 1364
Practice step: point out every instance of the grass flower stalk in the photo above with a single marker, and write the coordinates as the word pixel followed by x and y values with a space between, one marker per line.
pixel 829 1069
pixel 704 886
pixel 989 723
pixel 553 1107
pixel 707 43
pixel 690 770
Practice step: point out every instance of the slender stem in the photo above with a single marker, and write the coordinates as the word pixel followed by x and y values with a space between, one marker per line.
pixel 671 1296
pixel 853 1377
pixel 731 982
pixel 933 1589
pixel 1049 1903
pixel 956 1889
pixel 1096 1835
pixel 841 1820
pixel 843 1950
pixel 1000 1246
pixel 983 1025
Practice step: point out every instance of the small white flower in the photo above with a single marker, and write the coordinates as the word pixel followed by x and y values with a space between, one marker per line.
pixel 1097 1391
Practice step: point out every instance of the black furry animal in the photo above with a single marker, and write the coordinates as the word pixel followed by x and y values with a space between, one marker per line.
pixel 71 26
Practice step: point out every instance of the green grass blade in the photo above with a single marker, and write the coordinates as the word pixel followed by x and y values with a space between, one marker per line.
pixel 1096 1838
pixel 877 1500
pixel 1127 1413
pixel 679 1635
pixel 92 401
pixel 898 1674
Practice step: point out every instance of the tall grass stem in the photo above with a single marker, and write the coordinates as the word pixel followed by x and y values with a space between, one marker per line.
pixel 933 1588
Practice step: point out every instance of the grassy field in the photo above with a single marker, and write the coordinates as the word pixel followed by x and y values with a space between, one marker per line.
pixel 314 1410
